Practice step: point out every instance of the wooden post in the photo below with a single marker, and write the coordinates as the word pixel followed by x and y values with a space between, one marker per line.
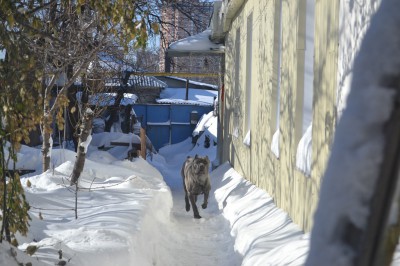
pixel 167 63
pixel 187 90
pixel 143 143
pixel 377 246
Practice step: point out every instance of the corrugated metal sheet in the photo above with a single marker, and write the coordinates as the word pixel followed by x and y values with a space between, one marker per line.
pixel 169 123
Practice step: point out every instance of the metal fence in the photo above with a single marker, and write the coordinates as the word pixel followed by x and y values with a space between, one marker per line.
pixel 169 123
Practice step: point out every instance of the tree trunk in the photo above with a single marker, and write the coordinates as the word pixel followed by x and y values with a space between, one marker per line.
pixel 72 116
pixel 84 140
pixel 114 111
pixel 46 123
pixel 46 145
pixel 72 109
pixel 4 187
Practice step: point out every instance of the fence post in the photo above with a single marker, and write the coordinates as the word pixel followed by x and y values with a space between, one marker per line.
pixel 143 143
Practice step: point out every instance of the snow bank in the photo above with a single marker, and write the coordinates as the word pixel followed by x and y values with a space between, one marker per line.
pixel 204 123
pixel 207 128
pixel 127 215
pixel 12 256
pixel 114 200
pixel 261 230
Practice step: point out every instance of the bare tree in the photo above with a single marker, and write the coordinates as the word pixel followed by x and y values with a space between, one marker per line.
pixel 49 46
pixel 72 36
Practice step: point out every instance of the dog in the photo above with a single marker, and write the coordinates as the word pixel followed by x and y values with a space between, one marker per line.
pixel 196 181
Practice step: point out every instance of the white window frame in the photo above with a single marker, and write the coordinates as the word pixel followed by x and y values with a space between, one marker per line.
pixel 304 148
pixel 276 135
pixel 236 93
pixel 249 61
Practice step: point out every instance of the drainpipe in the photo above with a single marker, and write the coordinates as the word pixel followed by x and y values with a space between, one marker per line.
pixel 167 63
pixel 187 90
pixel 220 117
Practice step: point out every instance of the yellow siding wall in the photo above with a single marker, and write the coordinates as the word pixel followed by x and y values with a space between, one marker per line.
pixel 325 89
pixel 292 191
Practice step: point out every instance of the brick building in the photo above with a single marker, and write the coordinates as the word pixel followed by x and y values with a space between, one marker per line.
pixel 183 18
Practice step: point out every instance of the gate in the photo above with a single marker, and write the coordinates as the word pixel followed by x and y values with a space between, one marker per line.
pixel 169 123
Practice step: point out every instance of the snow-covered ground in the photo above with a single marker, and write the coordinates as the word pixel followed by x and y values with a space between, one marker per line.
pixel 132 213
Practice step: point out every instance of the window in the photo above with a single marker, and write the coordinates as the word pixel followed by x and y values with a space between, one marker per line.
pixel 249 56
pixel 304 148
pixel 236 105
pixel 277 76
pixel 308 67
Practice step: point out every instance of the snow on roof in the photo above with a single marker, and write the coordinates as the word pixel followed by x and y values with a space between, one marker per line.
pixel 108 99
pixel 195 96
pixel 196 44
pixel 194 82
pixel 138 80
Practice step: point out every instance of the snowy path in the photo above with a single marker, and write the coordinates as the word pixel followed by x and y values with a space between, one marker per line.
pixel 206 241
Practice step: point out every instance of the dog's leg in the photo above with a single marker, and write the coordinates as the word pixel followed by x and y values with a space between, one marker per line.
pixel 204 205
pixel 187 204
pixel 194 207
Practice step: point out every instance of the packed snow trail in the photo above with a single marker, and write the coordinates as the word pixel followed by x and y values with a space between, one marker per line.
pixel 205 241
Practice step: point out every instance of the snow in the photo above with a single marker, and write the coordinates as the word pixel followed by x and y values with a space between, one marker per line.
pixel 195 96
pixel 194 82
pixel 196 43
pixel 354 19
pixel 275 143
pixel 205 122
pixel 136 80
pixel 304 150
pixel 108 99
pixel 86 143
pixel 257 225
pixel 179 101
pixel 132 212
pixel 166 123
pixel 357 152
pixel 247 138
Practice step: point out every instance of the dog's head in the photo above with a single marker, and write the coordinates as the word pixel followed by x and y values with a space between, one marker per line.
pixel 201 164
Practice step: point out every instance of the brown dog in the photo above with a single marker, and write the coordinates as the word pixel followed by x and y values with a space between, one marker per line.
pixel 196 181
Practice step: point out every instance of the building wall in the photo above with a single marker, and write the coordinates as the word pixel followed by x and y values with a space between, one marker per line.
pixel 277 72
pixel 325 90
pixel 178 26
